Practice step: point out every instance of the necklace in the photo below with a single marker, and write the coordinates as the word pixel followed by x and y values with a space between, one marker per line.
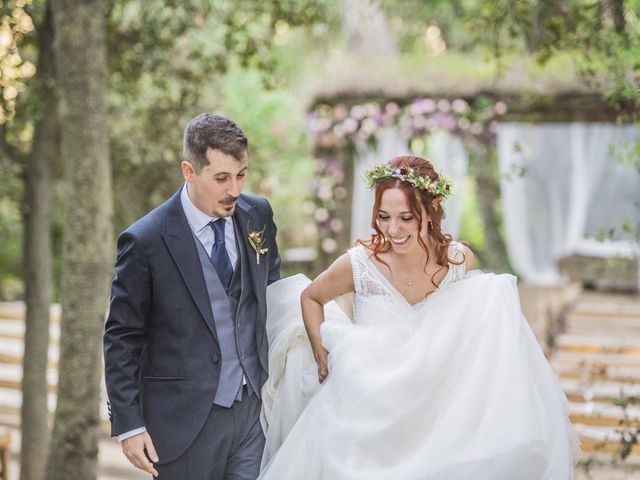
pixel 406 277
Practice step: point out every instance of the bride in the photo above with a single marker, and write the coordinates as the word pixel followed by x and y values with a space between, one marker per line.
pixel 439 377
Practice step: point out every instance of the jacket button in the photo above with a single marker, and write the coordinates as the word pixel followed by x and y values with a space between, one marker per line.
pixel 215 358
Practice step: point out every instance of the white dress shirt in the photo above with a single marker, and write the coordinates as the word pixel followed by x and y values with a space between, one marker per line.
pixel 199 223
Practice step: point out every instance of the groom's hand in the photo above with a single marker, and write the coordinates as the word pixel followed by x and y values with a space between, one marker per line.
pixel 134 449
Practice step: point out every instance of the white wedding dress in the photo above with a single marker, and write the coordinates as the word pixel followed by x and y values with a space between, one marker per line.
pixel 452 388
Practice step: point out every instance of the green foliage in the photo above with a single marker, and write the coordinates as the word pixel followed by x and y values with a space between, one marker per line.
pixel 629 432
pixel 627 153
pixel 170 62
pixel 15 23
pixel 281 166
pixel 251 59
pixel 10 248
pixel 410 19
pixel 471 226
pixel 602 36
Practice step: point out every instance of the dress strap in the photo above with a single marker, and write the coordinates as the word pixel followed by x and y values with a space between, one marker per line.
pixel 358 257
pixel 456 261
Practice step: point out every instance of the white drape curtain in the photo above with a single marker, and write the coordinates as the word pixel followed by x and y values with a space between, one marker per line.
pixel 449 156
pixel 445 151
pixel 390 144
pixel 562 183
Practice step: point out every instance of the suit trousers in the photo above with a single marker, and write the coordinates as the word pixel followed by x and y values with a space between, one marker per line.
pixel 229 446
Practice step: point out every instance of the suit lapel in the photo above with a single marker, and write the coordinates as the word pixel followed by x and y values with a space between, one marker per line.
pixel 182 248
pixel 247 220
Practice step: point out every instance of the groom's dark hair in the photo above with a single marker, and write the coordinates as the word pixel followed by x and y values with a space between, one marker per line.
pixel 210 130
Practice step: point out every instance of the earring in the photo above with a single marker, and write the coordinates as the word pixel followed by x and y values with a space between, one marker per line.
pixel 429 226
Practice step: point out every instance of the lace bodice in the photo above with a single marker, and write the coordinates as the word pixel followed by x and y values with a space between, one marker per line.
pixel 376 299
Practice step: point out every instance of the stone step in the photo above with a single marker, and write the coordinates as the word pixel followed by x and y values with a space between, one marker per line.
pixel 604 414
pixel 12 351
pixel 587 344
pixel 601 360
pixel 630 350
pixel 630 331
pixel 618 306
pixel 606 326
pixel 601 466
pixel 17 310
pixel 596 372
pixel 608 300
pixel 15 329
pixel 17 360
pixel 603 310
pixel 604 392
pixel 11 377
pixel 601 439
pixel 577 315
pixel 11 401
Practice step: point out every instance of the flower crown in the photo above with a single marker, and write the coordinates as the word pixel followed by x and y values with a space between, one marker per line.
pixel 440 188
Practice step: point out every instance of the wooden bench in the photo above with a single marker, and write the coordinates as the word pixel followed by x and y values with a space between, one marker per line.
pixel 5 442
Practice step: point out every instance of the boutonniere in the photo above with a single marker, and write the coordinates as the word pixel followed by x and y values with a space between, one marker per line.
pixel 256 240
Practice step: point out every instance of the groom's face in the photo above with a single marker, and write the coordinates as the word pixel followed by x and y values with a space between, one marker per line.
pixel 217 187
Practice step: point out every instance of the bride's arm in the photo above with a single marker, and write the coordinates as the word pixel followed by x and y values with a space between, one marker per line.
pixel 330 284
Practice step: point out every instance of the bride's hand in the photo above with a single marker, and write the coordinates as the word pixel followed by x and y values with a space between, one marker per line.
pixel 321 357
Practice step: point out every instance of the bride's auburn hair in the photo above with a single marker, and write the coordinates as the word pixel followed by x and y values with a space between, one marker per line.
pixel 417 200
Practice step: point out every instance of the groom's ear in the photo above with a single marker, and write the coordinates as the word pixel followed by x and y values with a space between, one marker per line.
pixel 188 172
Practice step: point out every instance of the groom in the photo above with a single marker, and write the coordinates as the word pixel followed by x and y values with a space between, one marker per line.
pixel 185 345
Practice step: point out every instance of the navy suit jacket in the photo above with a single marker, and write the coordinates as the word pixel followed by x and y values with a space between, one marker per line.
pixel 162 357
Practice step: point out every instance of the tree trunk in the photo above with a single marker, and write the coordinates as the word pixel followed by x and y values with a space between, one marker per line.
pixel 619 21
pixel 366 30
pixel 38 265
pixel 81 67
pixel 536 35
pixel 617 11
pixel 483 167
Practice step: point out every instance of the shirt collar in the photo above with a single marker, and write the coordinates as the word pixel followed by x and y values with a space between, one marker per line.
pixel 196 217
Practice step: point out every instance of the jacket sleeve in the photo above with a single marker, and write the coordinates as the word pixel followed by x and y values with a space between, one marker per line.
pixel 125 333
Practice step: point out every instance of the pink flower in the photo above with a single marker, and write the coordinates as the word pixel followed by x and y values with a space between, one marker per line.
pixel 444 105
pixel 422 105
pixel 391 108
pixel 340 112
pixel 336 225
pixel 358 112
pixel 329 245
pixel 500 108
pixel 476 128
pixel 459 106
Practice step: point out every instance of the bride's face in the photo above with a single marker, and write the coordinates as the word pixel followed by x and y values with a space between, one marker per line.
pixel 398 224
